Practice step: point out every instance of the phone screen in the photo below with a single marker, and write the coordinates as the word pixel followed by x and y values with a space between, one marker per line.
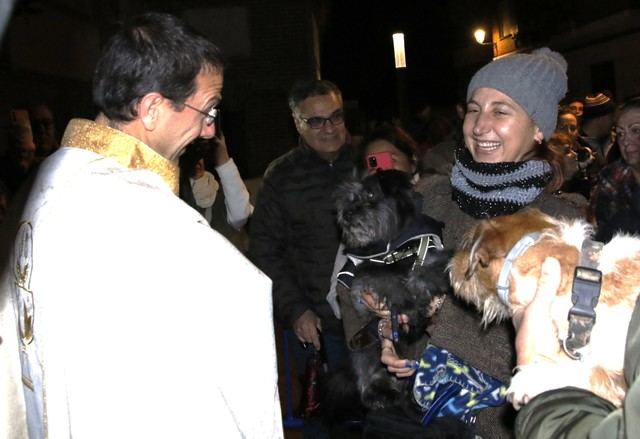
pixel 379 161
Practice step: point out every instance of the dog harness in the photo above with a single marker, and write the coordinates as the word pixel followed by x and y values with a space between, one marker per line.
pixel 414 241
pixel 585 292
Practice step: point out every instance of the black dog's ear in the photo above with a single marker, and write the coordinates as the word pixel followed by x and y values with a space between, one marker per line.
pixel 397 185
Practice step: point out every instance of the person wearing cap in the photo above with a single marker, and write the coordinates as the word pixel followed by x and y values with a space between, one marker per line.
pixel 503 166
pixel 595 133
pixel 597 120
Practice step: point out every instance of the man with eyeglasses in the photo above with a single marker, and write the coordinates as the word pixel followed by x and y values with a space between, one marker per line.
pixel 294 236
pixel 124 315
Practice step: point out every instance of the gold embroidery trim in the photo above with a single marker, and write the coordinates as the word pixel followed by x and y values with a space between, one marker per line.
pixel 121 147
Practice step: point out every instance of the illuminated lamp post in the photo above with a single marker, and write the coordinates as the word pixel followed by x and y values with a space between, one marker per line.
pixel 401 79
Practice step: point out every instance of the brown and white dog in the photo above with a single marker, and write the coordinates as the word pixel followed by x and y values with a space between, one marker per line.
pixel 476 268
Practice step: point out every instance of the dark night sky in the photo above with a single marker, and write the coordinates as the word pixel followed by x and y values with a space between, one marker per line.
pixel 357 53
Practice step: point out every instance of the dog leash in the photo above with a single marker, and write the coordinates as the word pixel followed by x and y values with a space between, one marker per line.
pixel 585 292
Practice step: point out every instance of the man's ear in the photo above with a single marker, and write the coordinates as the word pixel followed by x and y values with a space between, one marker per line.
pixel 149 109
pixel 296 121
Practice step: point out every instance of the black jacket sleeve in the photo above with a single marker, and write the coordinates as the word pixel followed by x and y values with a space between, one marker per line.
pixel 268 246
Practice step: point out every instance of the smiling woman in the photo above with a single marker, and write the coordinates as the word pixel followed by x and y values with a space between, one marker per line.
pixel 504 166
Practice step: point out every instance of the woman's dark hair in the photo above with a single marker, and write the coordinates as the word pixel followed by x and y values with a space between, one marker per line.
pixel 555 158
pixel 564 109
pixel 394 135
pixel 154 53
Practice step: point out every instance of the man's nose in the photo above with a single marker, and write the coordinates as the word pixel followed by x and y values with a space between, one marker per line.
pixel 328 126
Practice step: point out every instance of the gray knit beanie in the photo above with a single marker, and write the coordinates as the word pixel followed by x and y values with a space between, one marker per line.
pixel 536 81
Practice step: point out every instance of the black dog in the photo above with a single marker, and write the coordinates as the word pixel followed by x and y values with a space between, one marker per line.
pixel 395 254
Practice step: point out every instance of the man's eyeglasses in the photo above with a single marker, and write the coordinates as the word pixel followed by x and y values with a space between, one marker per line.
pixel 209 116
pixel 318 122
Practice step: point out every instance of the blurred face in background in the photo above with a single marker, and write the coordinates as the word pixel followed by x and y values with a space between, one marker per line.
pixel 44 129
pixel 568 123
pixel 577 108
pixel 496 129
pixel 320 122
pixel 628 136
pixel 22 150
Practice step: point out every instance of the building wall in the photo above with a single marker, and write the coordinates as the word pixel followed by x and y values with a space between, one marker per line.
pixel 614 39
pixel 49 52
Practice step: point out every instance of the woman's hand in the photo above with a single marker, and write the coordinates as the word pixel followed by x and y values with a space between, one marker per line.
pixel 401 367
pixel 374 305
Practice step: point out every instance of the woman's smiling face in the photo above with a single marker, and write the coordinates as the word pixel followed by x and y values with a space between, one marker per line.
pixel 496 129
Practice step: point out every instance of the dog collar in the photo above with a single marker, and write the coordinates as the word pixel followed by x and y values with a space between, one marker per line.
pixel 585 293
pixel 516 251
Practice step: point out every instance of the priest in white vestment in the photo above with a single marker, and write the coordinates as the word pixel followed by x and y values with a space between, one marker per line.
pixel 122 313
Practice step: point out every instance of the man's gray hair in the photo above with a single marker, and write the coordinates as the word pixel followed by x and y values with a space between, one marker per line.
pixel 307 88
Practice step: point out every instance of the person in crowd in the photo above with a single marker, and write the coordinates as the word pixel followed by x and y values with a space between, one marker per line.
pixel 597 121
pixel 571 412
pixel 43 124
pixel 294 235
pixel 199 188
pixel 203 188
pixel 565 145
pixel 578 154
pixel 615 202
pixel 19 159
pixel 505 166
pixel 577 107
pixel 124 314
pixel 567 121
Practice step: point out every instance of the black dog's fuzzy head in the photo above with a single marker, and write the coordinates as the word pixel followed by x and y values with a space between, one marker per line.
pixel 375 208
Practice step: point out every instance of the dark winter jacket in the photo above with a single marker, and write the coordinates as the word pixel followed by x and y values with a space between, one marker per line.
pixel 294 235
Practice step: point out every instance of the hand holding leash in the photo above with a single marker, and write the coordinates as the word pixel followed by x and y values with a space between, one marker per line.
pixel 400 366
pixel 307 328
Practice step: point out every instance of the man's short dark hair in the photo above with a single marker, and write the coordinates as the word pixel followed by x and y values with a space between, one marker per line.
pixel 307 88
pixel 154 53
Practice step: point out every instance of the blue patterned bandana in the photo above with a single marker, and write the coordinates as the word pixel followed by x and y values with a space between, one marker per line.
pixel 446 386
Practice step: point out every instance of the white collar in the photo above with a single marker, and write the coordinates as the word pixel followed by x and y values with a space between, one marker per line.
pixel 516 251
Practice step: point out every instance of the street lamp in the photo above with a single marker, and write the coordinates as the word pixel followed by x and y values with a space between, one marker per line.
pixel 398 50
pixel 401 70
pixel 480 35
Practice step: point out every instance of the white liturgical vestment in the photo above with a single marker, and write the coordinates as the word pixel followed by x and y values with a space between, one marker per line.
pixel 123 314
